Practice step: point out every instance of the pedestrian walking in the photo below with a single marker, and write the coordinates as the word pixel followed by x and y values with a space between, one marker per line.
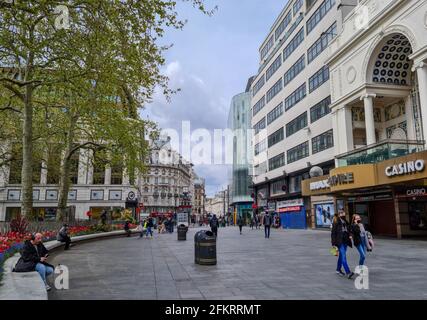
pixel 214 225
pixel 127 228
pixel 240 223
pixel 149 227
pixel 267 224
pixel 141 228
pixel 340 238
pixel 360 238
pixel 257 224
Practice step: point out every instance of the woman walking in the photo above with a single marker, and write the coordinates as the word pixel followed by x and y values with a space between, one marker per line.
pixel 340 238
pixel 360 239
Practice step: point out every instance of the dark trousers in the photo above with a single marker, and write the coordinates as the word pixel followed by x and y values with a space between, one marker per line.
pixel 67 241
pixel 267 231
pixel 240 228
pixel 215 231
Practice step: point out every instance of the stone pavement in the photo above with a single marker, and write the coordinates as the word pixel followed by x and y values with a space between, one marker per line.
pixel 292 264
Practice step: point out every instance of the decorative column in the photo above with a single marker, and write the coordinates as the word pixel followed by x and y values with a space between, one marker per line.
pixel 107 180
pixel 421 69
pixel 369 118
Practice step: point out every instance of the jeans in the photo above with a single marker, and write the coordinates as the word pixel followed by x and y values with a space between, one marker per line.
pixel 43 271
pixel 149 231
pixel 342 259
pixel 240 228
pixel 267 231
pixel 362 252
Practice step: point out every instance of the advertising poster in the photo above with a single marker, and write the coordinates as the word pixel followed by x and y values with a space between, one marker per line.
pixel 324 214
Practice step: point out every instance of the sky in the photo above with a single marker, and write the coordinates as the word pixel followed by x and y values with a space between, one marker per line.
pixel 211 60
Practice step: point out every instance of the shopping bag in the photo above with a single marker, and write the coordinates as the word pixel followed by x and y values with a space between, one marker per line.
pixel 334 251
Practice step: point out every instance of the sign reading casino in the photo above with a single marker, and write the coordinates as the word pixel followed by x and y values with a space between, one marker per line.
pixel 409 167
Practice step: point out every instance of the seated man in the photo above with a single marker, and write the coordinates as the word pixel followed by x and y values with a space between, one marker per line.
pixel 33 258
pixel 64 237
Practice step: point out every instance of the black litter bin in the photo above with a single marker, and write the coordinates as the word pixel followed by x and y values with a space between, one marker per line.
pixel 182 232
pixel 205 248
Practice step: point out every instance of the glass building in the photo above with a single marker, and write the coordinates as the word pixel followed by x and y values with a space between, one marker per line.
pixel 239 120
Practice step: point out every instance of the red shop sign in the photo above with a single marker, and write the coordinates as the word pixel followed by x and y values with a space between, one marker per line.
pixel 290 209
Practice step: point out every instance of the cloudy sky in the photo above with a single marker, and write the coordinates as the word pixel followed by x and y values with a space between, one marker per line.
pixel 211 61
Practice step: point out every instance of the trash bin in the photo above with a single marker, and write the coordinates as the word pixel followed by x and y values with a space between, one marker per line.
pixel 182 232
pixel 205 248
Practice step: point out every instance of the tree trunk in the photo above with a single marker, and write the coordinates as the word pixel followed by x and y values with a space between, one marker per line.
pixel 27 155
pixel 64 182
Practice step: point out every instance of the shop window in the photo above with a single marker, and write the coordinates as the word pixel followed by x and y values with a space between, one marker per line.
pixel 417 216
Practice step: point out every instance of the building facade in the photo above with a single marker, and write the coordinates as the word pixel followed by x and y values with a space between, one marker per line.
pixel 378 67
pixel 96 188
pixel 239 121
pixel 291 101
pixel 219 204
pixel 199 197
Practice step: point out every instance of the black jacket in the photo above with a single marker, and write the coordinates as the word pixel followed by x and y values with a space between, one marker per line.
pixel 214 223
pixel 30 257
pixel 339 236
pixel 356 234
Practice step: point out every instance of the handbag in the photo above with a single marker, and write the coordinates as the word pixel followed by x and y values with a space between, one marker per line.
pixel 24 266
pixel 334 251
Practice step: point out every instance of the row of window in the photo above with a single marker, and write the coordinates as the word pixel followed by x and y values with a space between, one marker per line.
pixel 273 68
pixel 296 125
pixel 297 6
pixel 260 147
pixel 52 195
pixel 275 113
pixel 295 97
pixel 320 143
pixel 275 137
pixel 258 106
pixel 295 70
pixel 274 90
pixel 322 43
pixel 319 78
pixel 260 126
pixel 258 86
pixel 267 47
pixel 319 14
pixel 282 26
pixel 293 44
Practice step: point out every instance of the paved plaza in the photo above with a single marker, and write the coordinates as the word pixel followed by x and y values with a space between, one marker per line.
pixel 292 264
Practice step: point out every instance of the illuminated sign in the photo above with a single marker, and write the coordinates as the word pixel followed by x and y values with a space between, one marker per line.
pixel 405 168
pixel 340 179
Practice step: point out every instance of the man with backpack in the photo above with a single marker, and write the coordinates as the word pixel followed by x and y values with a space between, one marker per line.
pixel 267 224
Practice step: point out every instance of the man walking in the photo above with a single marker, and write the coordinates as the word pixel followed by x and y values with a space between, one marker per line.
pixel 240 223
pixel 214 225
pixel 267 224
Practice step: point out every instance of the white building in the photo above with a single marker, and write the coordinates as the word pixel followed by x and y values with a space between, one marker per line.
pixel 378 67
pixel 290 105
pixel 96 188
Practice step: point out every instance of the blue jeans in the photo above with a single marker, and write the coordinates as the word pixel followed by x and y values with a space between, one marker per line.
pixel 43 271
pixel 267 231
pixel 342 259
pixel 362 252
pixel 149 231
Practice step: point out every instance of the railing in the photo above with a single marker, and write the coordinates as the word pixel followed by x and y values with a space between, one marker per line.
pixel 384 150
pixel 41 226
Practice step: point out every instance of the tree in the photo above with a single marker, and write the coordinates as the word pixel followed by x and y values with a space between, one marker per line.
pixel 38 47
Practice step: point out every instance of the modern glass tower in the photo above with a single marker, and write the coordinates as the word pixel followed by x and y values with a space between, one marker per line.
pixel 239 120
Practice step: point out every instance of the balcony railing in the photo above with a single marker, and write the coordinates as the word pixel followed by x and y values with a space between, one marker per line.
pixel 384 150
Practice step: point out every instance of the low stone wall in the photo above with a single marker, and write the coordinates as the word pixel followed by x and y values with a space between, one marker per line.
pixel 29 285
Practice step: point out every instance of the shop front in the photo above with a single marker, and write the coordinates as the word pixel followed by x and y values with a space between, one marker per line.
pixel 390 196
pixel 292 213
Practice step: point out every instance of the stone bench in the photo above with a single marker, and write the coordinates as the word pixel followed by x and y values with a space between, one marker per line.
pixel 29 285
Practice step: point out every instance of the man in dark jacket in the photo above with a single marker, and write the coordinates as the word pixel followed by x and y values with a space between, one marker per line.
pixel 214 225
pixel 267 224
pixel 34 258
pixel 64 237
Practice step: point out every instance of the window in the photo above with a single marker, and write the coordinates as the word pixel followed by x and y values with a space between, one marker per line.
pixel 319 14
pixel 294 70
pixel 74 167
pixel 258 106
pixel 293 44
pixel 320 110
pixel 319 78
pixel 299 152
pixel 97 195
pixel 295 97
pixel 322 43
pixel 296 125
pixel 273 68
pixel 323 141
pixel 115 195
pixel 260 168
pixel 266 49
pixel 275 113
pixel 259 126
pixel 282 26
pixel 258 85
pixel 297 5
pixel 117 174
pixel 260 147
pixel 99 164
pixel 276 162
pixel 275 137
pixel 277 187
pixel 274 90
